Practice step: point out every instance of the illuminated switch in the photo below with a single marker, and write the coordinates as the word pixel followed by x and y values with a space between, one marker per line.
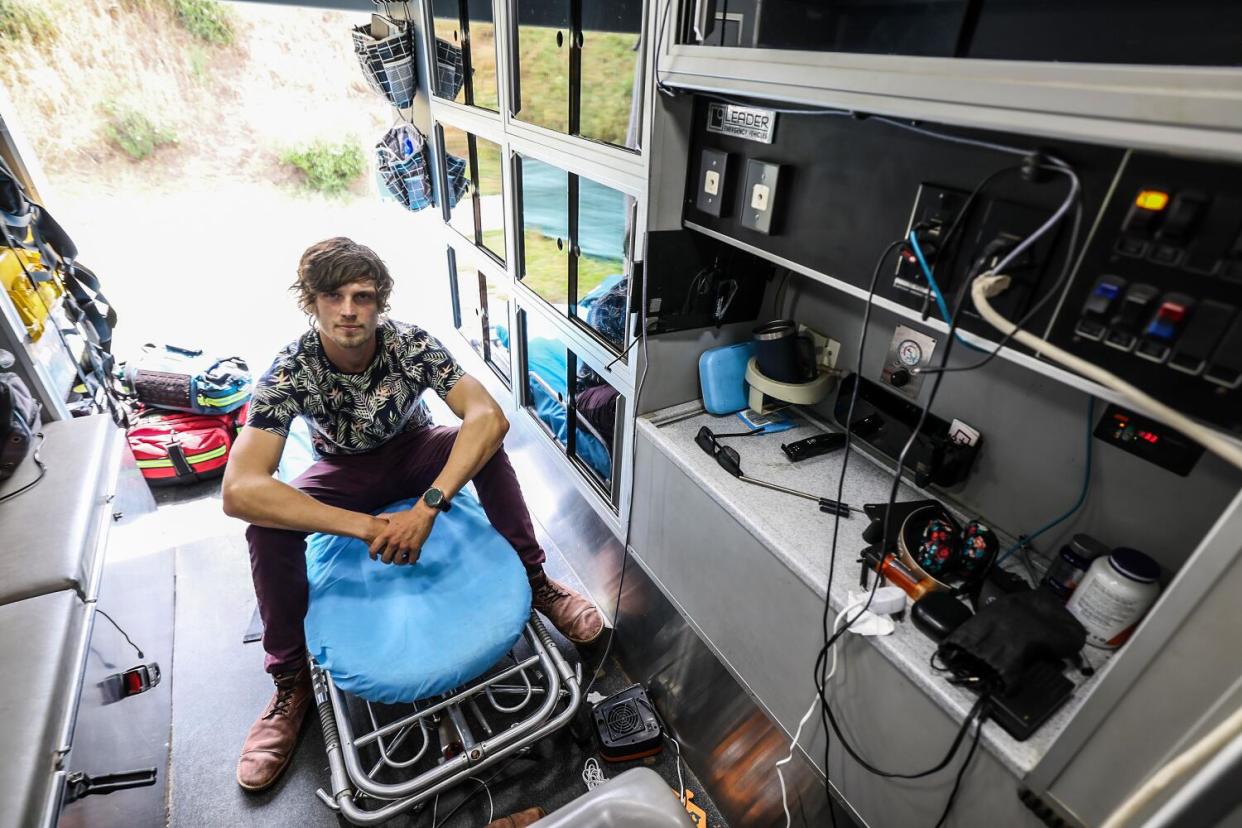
pixel 1146 210
pixel 1168 318
pixel 1095 309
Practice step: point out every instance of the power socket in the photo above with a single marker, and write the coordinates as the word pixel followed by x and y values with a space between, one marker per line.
pixel 759 196
pixel 712 193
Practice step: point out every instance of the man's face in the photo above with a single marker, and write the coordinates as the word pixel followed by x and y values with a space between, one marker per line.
pixel 348 315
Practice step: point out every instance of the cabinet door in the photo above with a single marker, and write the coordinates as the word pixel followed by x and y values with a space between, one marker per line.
pixel 482 51
pixel 610 87
pixel 544 210
pixel 451 43
pixel 543 31
pixel 458 181
pixel 602 254
pixel 465 282
pixel 489 158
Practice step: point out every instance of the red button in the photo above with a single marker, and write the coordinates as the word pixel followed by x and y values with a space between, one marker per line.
pixel 1171 312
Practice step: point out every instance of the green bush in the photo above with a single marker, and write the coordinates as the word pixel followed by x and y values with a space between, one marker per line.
pixel 136 134
pixel 26 21
pixel 208 20
pixel 328 168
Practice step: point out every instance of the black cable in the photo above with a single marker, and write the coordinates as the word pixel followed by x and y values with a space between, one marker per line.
pixel 821 660
pixel 121 631
pixel 961 772
pixel 483 783
pixel 42 472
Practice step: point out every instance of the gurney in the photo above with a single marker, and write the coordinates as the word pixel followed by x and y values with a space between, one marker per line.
pixel 427 674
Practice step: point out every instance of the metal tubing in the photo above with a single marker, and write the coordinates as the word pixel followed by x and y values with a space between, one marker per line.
pixel 383 751
pixel 357 816
pixel 481 754
pixel 519 705
pixel 368 738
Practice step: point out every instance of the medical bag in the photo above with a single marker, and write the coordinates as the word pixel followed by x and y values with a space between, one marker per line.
pixel 19 420
pixel 185 379
pixel 173 447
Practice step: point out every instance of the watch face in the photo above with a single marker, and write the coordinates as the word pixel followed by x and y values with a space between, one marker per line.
pixel 433 497
pixel 910 353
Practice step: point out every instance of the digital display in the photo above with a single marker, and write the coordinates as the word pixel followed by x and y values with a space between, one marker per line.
pixel 1148 439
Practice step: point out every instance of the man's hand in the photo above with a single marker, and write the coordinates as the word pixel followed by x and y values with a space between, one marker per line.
pixel 401 540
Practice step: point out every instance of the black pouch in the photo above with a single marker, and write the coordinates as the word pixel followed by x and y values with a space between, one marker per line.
pixel 996 646
pixel 19 419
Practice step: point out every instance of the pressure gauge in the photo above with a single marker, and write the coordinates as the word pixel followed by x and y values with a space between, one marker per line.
pixel 910 353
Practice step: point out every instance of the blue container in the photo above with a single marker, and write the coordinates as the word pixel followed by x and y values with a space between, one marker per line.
pixel 722 376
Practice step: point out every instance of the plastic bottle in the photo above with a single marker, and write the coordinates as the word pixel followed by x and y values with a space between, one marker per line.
pixel 1114 596
pixel 1071 564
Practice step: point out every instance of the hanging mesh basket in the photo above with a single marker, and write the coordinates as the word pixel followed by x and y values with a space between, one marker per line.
pixel 404 168
pixel 450 74
pixel 388 62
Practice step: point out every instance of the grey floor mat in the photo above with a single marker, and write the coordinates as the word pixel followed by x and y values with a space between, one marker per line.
pixel 219 687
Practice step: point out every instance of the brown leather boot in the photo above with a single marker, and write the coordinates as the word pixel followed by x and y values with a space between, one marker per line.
pixel 519 820
pixel 575 616
pixel 270 742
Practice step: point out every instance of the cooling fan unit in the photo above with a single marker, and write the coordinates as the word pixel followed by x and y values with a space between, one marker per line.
pixel 627 726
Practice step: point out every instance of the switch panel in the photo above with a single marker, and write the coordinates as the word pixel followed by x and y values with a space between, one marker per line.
pixel 760 194
pixel 1157 299
pixel 711 195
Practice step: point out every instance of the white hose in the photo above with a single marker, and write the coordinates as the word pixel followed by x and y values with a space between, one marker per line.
pixel 991 284
pixel 1177 767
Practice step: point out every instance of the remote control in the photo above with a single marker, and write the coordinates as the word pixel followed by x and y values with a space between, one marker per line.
pixel 813 446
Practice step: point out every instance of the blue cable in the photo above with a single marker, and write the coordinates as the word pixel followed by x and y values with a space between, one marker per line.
pixel 1082 496
pixel 935 288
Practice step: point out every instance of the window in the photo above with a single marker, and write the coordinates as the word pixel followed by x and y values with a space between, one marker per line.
pixel 575 241
pixel 465 52
pixel 481 314
pixel 475 204
pixel 576 407
pixel 580 79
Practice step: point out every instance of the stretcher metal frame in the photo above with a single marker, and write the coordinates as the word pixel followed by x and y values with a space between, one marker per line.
pixel 352 782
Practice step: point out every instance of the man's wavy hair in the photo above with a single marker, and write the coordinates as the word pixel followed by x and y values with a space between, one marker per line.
pixel 330 264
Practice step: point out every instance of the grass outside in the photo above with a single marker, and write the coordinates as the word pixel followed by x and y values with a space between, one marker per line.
pixel 546 272
pixel 25 20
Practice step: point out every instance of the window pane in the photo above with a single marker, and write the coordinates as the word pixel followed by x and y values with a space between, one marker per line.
pixel 543 63
pixel 545 230
pixel 491 197
pixel 447 26
pixel 599 408
pixel 457 180
pixel 610 96
pixel 466 286
pixel 496 324
pixel 483 54
pixel 546 378
pixel 603 279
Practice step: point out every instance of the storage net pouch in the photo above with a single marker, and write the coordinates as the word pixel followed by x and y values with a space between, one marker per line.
pixel 401 164
pixel 388 64
pixel 450 74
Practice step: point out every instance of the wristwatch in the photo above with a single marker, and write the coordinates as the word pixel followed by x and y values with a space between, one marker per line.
pixel 435 498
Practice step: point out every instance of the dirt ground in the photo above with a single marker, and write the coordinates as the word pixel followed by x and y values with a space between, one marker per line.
pixel 197 244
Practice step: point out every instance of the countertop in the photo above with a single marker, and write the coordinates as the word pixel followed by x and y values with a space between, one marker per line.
pixel 799 536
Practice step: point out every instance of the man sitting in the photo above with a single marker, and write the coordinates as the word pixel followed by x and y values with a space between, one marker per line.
pixel 357 378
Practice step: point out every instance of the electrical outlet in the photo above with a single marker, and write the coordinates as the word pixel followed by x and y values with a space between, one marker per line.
pixel 760 195
pixel 712 196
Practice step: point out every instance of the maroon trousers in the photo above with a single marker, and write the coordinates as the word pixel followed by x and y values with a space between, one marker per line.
pixel 404 467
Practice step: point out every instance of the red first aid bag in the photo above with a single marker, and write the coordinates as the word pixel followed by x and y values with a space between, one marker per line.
pixel 173 447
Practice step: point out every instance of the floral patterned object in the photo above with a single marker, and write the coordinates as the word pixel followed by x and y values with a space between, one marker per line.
pixel 937 553
pixel 978 546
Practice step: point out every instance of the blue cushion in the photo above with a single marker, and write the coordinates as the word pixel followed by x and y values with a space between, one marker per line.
pixel 401 633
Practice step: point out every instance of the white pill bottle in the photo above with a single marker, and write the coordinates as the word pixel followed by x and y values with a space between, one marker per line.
pixel 1114 596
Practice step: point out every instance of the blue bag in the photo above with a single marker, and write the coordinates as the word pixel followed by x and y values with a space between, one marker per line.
pixel 186 379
